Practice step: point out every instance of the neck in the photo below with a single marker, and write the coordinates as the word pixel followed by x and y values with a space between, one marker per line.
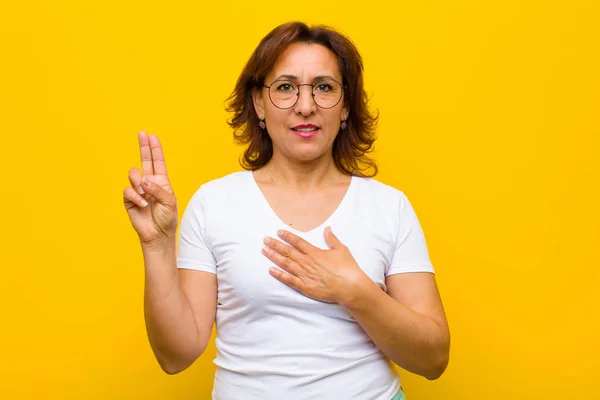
pixel 301 176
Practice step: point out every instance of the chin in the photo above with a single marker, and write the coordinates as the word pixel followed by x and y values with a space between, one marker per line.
pixel 307 155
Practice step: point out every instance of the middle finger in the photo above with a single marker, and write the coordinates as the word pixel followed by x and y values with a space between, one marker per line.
pixel 145 154
pixel 285 263
pixel 283 255
pixel 283 249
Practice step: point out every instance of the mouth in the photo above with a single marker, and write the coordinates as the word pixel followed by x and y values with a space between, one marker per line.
pixel 306 131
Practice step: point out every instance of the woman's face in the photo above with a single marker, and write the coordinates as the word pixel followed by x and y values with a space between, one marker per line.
pixel 304 132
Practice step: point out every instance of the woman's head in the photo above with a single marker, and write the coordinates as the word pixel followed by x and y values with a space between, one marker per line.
pixel 304 85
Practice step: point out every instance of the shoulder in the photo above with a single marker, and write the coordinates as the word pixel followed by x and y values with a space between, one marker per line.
pixel 381 193
pixel 233 181
pixel 221 189
pixel 384 202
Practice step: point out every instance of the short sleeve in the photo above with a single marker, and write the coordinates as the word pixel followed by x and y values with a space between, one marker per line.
pixel 193 251
pixel 410 253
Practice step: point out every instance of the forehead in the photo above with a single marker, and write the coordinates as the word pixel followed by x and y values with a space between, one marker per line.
pixel 305 61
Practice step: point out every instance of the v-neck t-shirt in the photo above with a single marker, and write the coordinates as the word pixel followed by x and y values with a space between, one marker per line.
pixel 272 341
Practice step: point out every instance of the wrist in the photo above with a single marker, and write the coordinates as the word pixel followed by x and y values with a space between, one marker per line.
pixel 356 291
pixel 166 246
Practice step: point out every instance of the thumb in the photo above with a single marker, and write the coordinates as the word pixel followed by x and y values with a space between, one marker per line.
pixel 332 241
pixel 156 191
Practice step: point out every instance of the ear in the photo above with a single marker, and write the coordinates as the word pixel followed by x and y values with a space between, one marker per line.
pixel 259 104
pixel 345 113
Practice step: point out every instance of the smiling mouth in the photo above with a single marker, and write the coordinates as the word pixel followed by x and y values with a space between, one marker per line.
pixel 307 132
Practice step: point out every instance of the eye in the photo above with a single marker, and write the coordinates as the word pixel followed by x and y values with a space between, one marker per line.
pixel 323 87
pixel 285 87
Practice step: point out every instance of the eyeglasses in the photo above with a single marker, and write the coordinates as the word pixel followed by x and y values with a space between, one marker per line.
pixel 326 93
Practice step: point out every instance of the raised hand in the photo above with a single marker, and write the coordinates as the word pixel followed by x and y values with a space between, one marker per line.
pixel 150 200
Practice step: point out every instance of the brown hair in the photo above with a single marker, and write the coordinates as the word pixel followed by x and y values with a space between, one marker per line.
pixel 351 145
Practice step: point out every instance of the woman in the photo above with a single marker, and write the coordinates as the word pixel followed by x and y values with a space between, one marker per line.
pixel 315 273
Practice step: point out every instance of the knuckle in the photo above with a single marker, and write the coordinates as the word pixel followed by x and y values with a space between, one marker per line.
pixel 129 197
pixel 291 279
pixel 133 174
pixel 296 282
pixel 152 186
pixel 170 200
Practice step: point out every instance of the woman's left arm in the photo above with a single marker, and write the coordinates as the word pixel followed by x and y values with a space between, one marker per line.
pixel 407 323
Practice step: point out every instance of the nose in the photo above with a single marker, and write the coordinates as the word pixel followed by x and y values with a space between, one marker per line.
pixel 306 104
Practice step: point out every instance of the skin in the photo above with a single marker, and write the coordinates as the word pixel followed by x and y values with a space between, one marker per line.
pixel 407 323
pixel 304 62
pixel 302 172
pixel 179 305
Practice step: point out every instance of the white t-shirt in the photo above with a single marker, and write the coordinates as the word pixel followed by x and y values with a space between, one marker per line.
pixel 272 341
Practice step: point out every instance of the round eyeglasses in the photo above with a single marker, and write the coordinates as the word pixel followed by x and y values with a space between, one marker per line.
pixel 326 93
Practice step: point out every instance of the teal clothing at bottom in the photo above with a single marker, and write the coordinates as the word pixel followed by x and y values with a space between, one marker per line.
pixel 399 395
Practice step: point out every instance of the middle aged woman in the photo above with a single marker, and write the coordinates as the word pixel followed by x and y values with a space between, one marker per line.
pixel 316 273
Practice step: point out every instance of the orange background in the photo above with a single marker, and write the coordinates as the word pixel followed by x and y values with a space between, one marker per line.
pixel 489 123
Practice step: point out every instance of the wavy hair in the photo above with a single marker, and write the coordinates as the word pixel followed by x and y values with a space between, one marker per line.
pixel 352 145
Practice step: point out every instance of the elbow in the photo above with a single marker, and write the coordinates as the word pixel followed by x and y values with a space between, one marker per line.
pixel 180 364
pixel 173 368
pixel 170 369
pixel 431 366
pixel 436 369
pixel 438 364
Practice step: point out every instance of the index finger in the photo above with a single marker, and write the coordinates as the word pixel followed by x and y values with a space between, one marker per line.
pixel 145 153
pixel 296 241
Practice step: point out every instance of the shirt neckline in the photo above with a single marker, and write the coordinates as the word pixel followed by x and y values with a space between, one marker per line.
pixel 267 206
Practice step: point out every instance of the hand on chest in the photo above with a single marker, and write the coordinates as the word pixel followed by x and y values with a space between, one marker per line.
pixel 243 269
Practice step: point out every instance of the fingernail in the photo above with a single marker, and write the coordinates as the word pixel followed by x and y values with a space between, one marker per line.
pixel 140 190
pixel 267 240
pixel 280 232
pixel 144 203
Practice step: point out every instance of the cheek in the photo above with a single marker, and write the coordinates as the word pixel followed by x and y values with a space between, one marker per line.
pixel 276 118
pixel 334 119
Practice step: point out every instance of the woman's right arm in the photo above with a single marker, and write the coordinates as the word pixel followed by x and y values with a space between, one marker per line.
pixel 179 309
pixel 179 305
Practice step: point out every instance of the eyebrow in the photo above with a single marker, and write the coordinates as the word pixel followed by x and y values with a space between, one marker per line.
pixel 295 78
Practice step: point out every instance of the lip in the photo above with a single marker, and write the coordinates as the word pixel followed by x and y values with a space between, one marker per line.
pixel 304 126
pixel 305 135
